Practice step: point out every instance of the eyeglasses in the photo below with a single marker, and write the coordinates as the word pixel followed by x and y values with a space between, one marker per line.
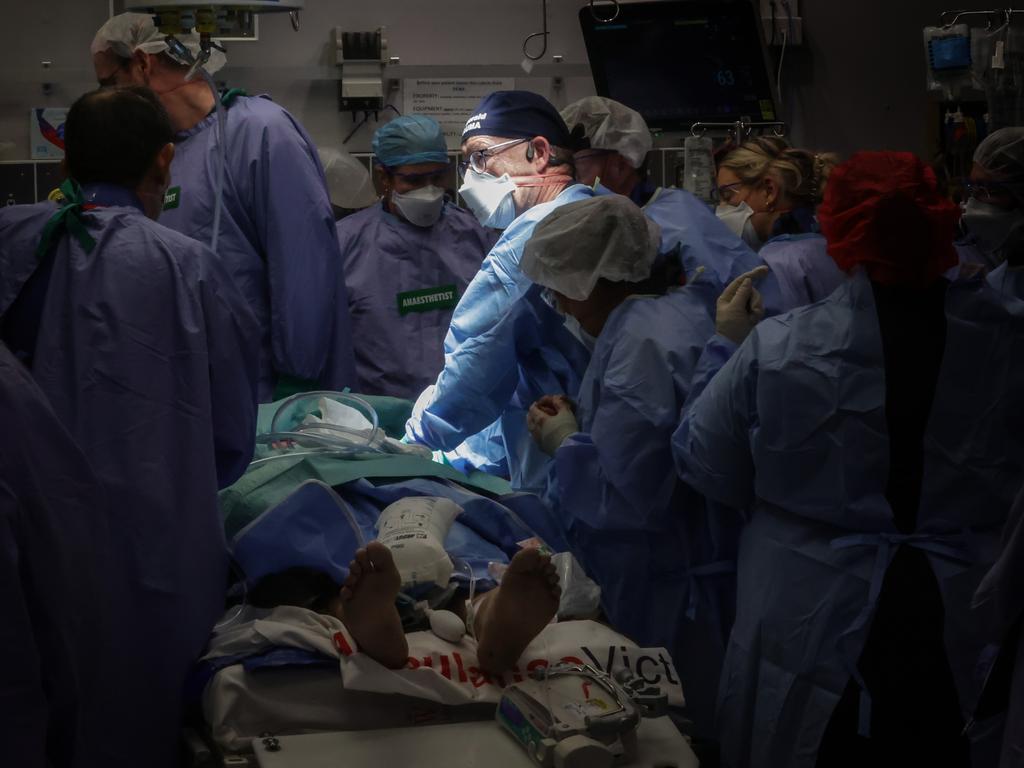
pixel 987 191
pixel 726 191
pixel 478 159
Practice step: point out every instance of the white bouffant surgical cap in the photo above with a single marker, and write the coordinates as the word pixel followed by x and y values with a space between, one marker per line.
pixel 610 125
pixel 606 237
pixel 127 33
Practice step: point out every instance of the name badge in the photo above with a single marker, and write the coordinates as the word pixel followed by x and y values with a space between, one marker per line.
pixel 172 199
pixel 428 299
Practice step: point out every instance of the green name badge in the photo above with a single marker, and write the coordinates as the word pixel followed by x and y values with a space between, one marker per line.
pixel 172 198
pixel 428 299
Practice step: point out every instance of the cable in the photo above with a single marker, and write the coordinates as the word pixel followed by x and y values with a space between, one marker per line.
pixel 778 77
pixel 544 34
pixel 393 108
pixel 360 124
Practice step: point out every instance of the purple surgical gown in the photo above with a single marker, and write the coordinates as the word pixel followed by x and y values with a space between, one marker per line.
pixel 400 353
pixel 148 354
pixel 277 237
pixel 53 536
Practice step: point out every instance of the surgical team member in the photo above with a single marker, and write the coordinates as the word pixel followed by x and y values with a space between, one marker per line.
pixel 1001 593
pixel 626 513
pixel 53 540
pixel 148 353
pixel 407 260
pixel 769 195
pixel 876 442
pixel 616 143
pixel 276 234
pixel 994 214
pixel 506 347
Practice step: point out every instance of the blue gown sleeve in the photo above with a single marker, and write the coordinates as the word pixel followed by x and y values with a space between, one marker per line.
pixel 712 444
pixel 233 341
pixel 310 334
pixel 620 475
pixel 23 726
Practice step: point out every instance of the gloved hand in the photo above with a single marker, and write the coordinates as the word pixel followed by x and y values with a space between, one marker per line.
pixel 550 421
pixel 740 307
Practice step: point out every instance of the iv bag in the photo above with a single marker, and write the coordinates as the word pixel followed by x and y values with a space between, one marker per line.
pixel 998 70
pixel 699 168
pixel 948 56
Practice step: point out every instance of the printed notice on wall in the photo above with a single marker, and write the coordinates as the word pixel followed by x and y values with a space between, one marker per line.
pixel 450 102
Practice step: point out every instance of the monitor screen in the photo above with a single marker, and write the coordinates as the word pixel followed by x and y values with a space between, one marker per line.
pixel 677 63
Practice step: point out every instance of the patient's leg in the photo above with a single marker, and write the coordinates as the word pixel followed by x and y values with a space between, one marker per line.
pixel 509 617
pixel 368 606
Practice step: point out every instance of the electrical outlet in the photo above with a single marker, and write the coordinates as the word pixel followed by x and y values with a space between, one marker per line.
pixel 790 30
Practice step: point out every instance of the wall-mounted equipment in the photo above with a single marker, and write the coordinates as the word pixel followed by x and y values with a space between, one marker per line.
pixel 362 57
pixel 682 61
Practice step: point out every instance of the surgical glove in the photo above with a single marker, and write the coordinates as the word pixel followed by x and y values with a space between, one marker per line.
pixel 740 307
pixel 550 421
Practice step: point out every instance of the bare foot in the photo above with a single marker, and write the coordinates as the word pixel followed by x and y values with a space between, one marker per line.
pixel 368 600
pixel 509 617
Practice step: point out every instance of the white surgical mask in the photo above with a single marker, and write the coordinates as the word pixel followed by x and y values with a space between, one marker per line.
pixel 738 219
pixel 998 231
pixel 489 198
pixel 422 206
pixel 572 325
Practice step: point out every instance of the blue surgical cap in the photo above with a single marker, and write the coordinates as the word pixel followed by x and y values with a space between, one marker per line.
pixel 408 140
pixel 518 115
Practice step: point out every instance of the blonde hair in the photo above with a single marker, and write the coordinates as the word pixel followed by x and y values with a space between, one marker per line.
pixel 800 173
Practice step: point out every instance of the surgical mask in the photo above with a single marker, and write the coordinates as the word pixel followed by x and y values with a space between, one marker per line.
pixel 421 207
pixel 738 219
pixel 489 198
pixel 998 231
pixel 572 325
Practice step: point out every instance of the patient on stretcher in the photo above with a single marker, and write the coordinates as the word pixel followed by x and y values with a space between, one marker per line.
pixel 504 620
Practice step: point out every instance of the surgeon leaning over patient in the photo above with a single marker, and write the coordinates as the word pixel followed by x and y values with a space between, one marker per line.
pixel 876 442
pixel 148 353
pixel 629 519
pixel 276 235
pixel 506 347
pixel 407 260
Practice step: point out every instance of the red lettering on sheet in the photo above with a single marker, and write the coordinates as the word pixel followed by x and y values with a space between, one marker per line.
pixel 479 678
pixel 342 644
pixel 428 661
pixel 446 667
pixel 536 664
pixel 458 663
pixel 413 663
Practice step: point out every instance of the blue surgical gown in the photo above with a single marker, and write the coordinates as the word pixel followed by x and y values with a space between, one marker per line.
pixel 277 237
pixel 53 536
pixel 384 256
pixel 794 427
pixel 803 268
pixel 505 348
pixel 148 354
pixel 637 530
pixel 704 241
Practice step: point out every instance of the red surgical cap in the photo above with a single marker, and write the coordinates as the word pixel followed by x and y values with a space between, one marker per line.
pixel 883 210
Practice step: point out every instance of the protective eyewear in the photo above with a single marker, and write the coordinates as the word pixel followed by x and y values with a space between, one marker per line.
pixel 989 190
pixel 478 159
pixel 726 191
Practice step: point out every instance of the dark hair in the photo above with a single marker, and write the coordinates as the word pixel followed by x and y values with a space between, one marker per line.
pixel 112 135
pixel 300 586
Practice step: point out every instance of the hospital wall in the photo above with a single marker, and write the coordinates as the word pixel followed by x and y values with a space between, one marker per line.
pixel 857 82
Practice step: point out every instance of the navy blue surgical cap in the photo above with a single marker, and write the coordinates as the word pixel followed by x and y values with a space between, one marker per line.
pixel 518 115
